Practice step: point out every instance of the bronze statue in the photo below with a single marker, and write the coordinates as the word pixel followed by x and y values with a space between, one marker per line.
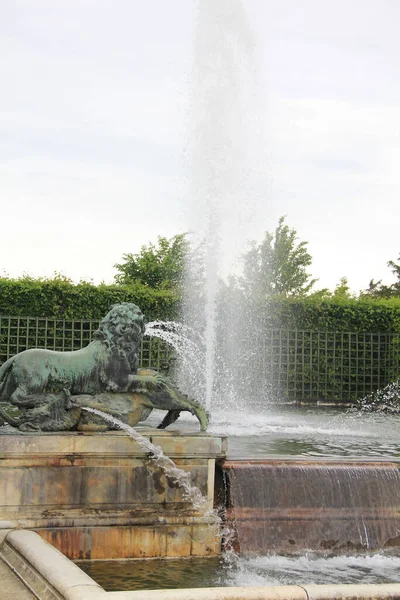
pixel 49 388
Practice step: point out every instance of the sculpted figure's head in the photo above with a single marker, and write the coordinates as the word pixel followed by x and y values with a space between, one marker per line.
pixel 122 329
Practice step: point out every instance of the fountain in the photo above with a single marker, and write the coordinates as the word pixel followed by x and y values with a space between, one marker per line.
pixel 69 475
pixel 56 477
pixel 191 493
pixel 95 493
pixel 225 202
pixel 50 388
pixel 286 504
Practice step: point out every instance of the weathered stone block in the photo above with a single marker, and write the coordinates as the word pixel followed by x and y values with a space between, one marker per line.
pixel 98 495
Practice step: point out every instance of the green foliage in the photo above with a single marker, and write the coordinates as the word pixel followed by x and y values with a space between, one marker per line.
pixel 59 297
pixel 152 280
pixel 278 265
pixel 337 349
pixel 158 266
pixel 334 314
pixel 300 322
pixel 380 290
pixel 396 271
pixel 341 292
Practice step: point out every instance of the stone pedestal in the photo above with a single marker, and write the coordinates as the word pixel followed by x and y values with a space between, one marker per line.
pixel 99 496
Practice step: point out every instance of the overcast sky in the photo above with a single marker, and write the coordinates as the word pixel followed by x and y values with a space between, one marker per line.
pixel 94 111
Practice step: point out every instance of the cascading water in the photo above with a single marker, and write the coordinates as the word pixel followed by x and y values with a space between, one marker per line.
pixel 295 505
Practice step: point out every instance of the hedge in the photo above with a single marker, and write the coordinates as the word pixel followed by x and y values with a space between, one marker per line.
pixel 62 299
pixel 364 315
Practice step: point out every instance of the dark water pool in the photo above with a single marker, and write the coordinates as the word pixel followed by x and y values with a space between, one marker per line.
pixel 257 571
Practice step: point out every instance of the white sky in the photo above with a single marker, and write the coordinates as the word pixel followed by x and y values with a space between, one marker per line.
pixel 93 123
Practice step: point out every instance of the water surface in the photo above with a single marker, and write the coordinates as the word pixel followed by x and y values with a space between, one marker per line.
pixel 257 571
pixel 301 431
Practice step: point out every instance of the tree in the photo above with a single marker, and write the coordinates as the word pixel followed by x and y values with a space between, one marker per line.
pixel 342 289
pixel 396 272
pixel 341 292
pixel 377 289
pixel 278 265
pixel 158 266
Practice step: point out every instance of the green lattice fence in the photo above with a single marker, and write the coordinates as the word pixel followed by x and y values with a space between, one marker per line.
pixel 20 333
pixel 330 366
pixel 300 365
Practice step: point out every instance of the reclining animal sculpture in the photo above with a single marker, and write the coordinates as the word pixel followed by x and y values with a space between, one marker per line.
pixel 50 388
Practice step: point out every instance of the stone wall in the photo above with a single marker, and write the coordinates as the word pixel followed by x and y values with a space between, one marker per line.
pixel 98 496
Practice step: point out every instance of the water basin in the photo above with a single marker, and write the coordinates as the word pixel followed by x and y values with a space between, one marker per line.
pixel 301 431
pixel 326 433
pixel 262 570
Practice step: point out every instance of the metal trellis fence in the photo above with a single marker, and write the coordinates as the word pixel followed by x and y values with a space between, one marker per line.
pixel 301 366
pixel 330 366
pixel 21 333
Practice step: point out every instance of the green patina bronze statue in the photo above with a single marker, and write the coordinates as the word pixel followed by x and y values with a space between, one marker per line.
pixel 50 388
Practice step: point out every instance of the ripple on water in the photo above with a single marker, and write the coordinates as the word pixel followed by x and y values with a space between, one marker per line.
pixel 303 431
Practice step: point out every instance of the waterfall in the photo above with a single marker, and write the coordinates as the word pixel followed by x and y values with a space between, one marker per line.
pixel 292 506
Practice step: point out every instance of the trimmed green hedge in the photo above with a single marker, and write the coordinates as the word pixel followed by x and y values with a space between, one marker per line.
pixel 59 297
pixel 311 366
pixel 62 299
pixel 354 315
